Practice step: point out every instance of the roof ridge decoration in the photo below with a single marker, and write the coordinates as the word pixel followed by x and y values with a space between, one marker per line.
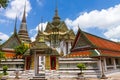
pixel 81 33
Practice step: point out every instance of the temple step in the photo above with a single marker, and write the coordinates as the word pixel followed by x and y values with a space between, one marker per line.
pixel 39 77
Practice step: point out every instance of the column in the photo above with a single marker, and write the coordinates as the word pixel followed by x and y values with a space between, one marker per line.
pixel 114 63
pixel 105 67
pixel 99 65
pixel 25 64
pixel 35 64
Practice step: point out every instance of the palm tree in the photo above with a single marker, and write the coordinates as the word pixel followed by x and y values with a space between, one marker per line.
pixel 3 3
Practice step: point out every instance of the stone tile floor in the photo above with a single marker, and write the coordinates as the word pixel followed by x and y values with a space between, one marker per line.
pixel 113 76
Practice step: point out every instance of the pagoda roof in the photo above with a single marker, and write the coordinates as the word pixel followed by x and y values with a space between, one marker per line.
pixel 103 43
pixel 12 42
pixel 61 26
pixel 42 46
pixel 86 44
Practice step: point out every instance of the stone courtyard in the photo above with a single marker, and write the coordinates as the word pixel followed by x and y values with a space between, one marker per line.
pixel 26 76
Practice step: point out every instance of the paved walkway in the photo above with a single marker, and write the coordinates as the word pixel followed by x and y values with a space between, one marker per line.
pixel 113 76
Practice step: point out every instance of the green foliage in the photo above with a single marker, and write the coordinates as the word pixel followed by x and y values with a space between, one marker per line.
pixel 5 68
pixel 2 55
pixel 21 49
pixel 81 66
pixel 4 3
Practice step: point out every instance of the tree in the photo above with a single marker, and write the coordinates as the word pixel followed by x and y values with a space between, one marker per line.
pixel 3 3
pixel 5 68
pixel 2 56
pixel 20 50
pixel 81 66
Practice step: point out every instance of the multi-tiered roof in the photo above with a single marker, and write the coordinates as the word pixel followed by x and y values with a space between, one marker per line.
pixel 23 33
pixel 58 28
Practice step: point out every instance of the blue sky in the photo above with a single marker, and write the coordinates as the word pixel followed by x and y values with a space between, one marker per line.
pixel 99 17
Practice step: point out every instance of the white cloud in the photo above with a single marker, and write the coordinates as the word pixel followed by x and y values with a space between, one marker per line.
pixel 17 7
pixel 35 30
pixel 40 2
pixel 113 33
pixel 2 21
pixel 3 36
pixel 105 19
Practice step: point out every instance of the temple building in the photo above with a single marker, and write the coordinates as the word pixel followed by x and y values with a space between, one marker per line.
pixel 58 49
pixel 16 39
pixel 101 56
pixel 55 41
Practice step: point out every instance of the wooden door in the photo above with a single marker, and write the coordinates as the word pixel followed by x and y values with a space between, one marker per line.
pixel 53 62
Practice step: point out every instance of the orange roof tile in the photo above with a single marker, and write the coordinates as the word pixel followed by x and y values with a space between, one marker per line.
pixel 9 55
pixel 103 43
pixel 80 53
pixel 110 53
pixel 93 53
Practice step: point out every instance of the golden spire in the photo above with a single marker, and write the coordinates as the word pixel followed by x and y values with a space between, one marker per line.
pixel 42 24
pixel 56 18
pixel 38 29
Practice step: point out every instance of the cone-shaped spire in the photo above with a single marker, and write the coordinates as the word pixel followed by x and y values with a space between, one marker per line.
pixel 23 33
pixel 15 30
pixel 24 14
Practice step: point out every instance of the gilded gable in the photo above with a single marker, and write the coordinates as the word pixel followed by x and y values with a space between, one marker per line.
pixel 62 27
pixel 12 42
pixel 82 42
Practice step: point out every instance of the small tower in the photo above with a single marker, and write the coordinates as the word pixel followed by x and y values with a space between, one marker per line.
pixel 23 33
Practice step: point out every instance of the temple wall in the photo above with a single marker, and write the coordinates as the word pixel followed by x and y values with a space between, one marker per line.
pixel 13 64
pixel 32 62
pixel 47 64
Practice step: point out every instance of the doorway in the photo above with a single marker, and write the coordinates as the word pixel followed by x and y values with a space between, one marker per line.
pixel 53 62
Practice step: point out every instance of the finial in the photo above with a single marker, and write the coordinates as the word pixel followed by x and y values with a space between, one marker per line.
pixel 56 10
pixel 56 17
pixel 78 26
pixel 15 30
pixel 42 24
pixel 38 29
pixel 24 13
